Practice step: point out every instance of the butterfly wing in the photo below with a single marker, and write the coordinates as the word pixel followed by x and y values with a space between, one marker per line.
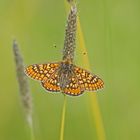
pixel 73 87
pixel 46 73
pixel 41 72
pixel 87 80
pixel 52 83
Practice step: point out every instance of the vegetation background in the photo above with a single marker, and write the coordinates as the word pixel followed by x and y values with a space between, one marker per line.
pixel 112 36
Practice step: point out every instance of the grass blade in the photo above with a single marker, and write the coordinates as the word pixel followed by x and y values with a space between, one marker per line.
pixel 93 99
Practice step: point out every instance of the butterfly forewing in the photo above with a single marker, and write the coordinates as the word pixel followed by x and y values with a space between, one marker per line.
pixel 41 72
pixel 87 80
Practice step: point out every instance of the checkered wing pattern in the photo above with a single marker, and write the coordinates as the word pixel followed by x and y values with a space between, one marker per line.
pixel 73 88
pixel 46 73
pixel 52 83
pixel 88 81
pixel 41 72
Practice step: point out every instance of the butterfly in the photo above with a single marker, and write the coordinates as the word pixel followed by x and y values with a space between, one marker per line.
pixel 64 77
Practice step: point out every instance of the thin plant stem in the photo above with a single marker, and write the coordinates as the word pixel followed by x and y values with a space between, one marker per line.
pixel 32 133
pixel 62 126
pixel 26 99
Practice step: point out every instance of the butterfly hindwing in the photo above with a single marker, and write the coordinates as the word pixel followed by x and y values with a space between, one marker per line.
pixel 73 87
pixel 41 72
pixel 52 83
pixel 88 81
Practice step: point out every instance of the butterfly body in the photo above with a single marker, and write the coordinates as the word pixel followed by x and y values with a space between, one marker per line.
pixel 65 72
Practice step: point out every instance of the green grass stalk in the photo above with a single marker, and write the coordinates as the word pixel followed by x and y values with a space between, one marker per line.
pixel 62 126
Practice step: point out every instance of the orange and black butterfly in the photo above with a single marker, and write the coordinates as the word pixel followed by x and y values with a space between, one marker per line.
pixel 64 76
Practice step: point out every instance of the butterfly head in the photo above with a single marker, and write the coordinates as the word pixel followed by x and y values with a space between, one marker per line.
pixel 66 66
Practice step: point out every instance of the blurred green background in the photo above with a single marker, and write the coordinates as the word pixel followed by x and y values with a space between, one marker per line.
pixel 112 36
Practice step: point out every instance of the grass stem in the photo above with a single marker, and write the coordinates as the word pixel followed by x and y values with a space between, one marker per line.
pixel 63 119
pixel 26 99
